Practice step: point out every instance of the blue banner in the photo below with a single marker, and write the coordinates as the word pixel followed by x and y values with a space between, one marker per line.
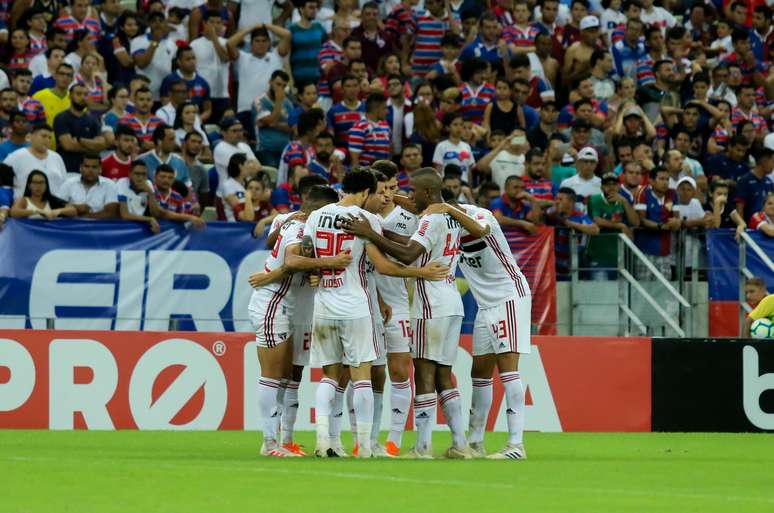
pixel 723 251
pixel 117 275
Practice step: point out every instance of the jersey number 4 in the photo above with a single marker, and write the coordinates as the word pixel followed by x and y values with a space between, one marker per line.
pixel 329 244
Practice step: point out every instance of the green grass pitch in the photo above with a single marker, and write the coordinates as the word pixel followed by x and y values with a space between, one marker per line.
pixel 220 472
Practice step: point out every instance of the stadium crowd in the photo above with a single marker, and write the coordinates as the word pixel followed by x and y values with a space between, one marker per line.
pixel 599 117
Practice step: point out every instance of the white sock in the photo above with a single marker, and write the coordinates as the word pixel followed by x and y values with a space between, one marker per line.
pixel 326 391
pixel 452 410
pixel 337 413
pixel 479 409
pixel 377 421
pixel 400 402
pixel 514 399
pixel 280 402
pixel 424 418
pixel 289 411
pixel 351 410
pixel 363 399
pixel 267 405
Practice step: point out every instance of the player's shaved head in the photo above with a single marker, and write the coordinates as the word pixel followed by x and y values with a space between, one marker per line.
pixel 319 196
pixel 427 187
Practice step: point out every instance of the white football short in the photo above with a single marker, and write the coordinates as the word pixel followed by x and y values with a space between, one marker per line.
pixel 347 341
pixel 269 312
pixel 302 344
pixel 505 328
pixel 437 339
pixel 398 335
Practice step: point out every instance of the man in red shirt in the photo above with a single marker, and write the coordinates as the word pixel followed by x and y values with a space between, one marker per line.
pixel 117 164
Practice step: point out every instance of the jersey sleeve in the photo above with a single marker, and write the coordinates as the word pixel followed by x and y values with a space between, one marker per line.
pixel 764 310
pixel 427 233
pixel 309 225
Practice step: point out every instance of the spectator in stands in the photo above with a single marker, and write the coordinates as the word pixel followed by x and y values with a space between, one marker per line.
pixel 343 115
pixel 632 181
pixel 763 221
pixel 92 195
pixel 502 113
pixel 565 217
pixel 32 108
pixel 254 209
pixel 327 160
pixel 153 52
pixel 306 98
pixel 55 56
pixel 410 161
pixel 117 164
pixel 585 183
pixel 374 40
pixel 301 150
pixel 212 61
pixel 234 189
pixel 613 214
pixel 170 201
pixel 733 164
pixel 431 24
pixel 307 37
pixel 37 200
pixel 286 197
pixel 486 194
pixel 198 89
pixel 271 117
pixel 56 99
pixel 261 61
pixel 629 52
pixel 657 219
pixel 449 63
pixel 17 138
pixel 660 96
pixel 8 104
pixel 38 156
pixel 753 187
pixel 142 121
pixel 118 99
pixel 452 180
pixel 136 198
pixel 513 210
pixel 79 19
pixel 539 135
pixel 370 139
pixel 76 131
pixel 165 142
pixel 540 188
pixel 453 150
pixel 723 212
pixel 691 214
pixel 488 43
pixel 477 93
pixel 197 174
pixel 232 143
pixel 175 91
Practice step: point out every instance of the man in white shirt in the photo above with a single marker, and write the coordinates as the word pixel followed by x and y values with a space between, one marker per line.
pixel 585 183
pixel 154 51
pixel 256 11
pixel 506 159
pixel 232 143
pixel 92 195
pixel 658 16
pixel 37 156
pixel 260 61
pixel 212 60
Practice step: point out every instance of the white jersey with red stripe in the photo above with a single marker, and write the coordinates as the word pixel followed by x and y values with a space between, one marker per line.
pixel 343 293
pixel 488 264
pixel 290 233
pixel 393 289
pixel 439 234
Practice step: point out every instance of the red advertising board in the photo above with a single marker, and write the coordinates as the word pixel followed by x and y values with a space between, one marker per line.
pixel 194 380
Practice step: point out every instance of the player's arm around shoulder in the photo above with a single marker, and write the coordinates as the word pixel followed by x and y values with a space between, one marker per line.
pixel 477 227
pixel 362 226
pixel 434 271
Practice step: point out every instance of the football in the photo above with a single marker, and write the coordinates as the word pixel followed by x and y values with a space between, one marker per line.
pixel 762 328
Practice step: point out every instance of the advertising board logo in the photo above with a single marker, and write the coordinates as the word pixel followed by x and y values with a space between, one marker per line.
pixel 754 385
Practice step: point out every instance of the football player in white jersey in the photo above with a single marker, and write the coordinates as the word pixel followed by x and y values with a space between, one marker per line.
pixel 343 326
pixel 398 327
pixel 501 331
pixel 437 312
pixel 270 309
pixel 301 320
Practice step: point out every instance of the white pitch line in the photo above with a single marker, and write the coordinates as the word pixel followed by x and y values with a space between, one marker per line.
pixel 245 467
